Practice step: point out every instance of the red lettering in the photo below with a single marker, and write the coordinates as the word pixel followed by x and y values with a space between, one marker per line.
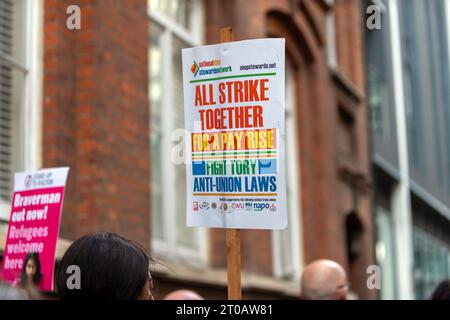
pixel 229 84
pixel 263 89
pixel 253 90
pixel 238 95
pixel 257 117
pixel 222 93
pixel 198 96
pixel 202 119
pixel 211 95
pixel 232 117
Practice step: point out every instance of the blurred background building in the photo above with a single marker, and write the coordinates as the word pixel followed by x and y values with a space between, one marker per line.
pixel 106 100
pixel 408 91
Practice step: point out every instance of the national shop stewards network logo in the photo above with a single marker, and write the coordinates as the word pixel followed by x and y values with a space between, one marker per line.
pixel 208 67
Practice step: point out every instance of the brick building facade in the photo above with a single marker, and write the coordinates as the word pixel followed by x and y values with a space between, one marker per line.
pixel 95 111
pixel 102 114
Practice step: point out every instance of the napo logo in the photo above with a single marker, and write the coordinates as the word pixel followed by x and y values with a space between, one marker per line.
pixel 260 206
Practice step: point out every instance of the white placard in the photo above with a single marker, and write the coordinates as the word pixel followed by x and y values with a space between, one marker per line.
pixel 234 106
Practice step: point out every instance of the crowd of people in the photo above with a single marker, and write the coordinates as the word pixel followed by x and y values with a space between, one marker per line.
pixel 115 268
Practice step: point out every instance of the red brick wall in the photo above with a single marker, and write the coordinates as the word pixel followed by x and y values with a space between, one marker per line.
pixel 96 120
pixel 350 48
pixel 358 190
pixel 326 197
pixel 96 115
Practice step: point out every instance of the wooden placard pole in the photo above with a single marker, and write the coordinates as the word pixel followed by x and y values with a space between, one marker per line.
pixel 233 235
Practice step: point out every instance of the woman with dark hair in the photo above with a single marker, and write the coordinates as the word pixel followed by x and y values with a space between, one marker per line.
pixel 442 291
pixel 31 271
pixel 110 267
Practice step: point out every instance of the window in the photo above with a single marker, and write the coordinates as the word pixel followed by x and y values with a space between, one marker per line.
pixel 178 11
pixel 439 80
pixel 174 25
pixel 411 78
pixel 287 244
pixel 385 253
pixel 426 67
pixel 379 82
pixel 431 263
pixel 20 28
pixel 446 84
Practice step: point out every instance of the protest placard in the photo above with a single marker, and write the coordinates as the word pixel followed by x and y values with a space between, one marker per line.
pixel 234 115
pixel 33 229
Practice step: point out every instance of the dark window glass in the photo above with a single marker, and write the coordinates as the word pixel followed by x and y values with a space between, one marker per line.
pixel 411 79
pixel 379 78
pixel 431 263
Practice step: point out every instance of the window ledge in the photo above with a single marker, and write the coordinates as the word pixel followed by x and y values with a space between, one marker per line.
pixel 218 278
pixel 61 246
pixel 346 86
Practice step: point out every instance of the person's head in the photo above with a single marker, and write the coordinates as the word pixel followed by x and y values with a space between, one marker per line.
pixel 324 280
pixel 442 291
pixel 31 270
pixel 183 295
pixel 110 266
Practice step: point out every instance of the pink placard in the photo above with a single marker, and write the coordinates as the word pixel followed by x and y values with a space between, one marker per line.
pixel 34 227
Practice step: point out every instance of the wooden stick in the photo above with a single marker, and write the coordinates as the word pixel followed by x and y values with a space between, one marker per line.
pixel 226 35
pixel 234 264
pixel 233 235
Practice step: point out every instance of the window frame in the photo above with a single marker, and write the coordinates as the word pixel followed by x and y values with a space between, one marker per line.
pixel 381 212
pixel 168 248
pixel 384 140
pixel 293 232
pixel 330 22
pixel 29 143
pixel 428 238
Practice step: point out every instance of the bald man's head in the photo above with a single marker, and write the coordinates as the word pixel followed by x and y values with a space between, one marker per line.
pixel 183 295
pixel 324 280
